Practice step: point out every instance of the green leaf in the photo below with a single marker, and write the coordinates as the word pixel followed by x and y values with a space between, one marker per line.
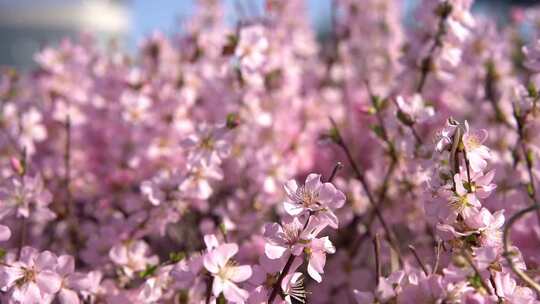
pixel 221 299
pixel 149 271
pixel 377 130
pixel 333 133
pixel 232 120
pixel 223 228
pixel 530 190
pixel 530 157
pixel 533 91
pixel 176 257
pixel 476 281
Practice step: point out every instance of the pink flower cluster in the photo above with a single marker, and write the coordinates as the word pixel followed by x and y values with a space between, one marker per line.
pixel 172 175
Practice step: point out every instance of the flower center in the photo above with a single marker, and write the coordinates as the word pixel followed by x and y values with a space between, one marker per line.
pixel 306 198
pixel 291 234
pixel 459 203
pixel 207 143
pixel 29 275
pixel 227 271
pixel 473 143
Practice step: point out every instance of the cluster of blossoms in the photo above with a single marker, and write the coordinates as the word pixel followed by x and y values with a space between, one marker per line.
pixel 170 176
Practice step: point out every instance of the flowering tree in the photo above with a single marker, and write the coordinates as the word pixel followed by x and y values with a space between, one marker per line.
pixel 251 164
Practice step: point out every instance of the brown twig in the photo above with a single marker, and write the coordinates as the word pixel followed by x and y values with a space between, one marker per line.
pixel 377 251
pixel 531 188
pixel 338 139
pixel 418 260
pixel 337 167
pixel 437 256
pixel 469 260
pixel 446 9
pixel 508 255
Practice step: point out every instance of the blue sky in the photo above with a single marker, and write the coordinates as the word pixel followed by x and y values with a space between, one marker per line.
pixel 148 15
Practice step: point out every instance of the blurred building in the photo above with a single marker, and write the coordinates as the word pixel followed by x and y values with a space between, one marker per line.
pixel 28 25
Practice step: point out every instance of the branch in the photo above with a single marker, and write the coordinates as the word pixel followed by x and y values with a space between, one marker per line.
pixel 445 10
pixel 508 255
pixel 338 139
pixel 377 249
pixel 418 260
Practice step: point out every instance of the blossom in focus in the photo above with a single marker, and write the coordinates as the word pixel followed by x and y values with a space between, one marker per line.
pixel 316 197
pixel 463 201
pixel 477 153
pixel 226 272
pixel 290 236
pixel 31 279
pixel 316 253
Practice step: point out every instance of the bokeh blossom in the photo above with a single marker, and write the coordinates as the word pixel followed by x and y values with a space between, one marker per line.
pixel 258 161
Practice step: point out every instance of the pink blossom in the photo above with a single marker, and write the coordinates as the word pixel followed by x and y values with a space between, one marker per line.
pixel 481 184
pixel 507 289
pixel 415 107
pixel 317 197
pixel 445 136
pixel 477 153
pixel 26 197
pixel 489 225
pixel 316 253
pixel 135 107
pixel 292 286
pixel 226 273
pixel 532 55
pixel 132 256
pixel 31 130
pixel 72 282
pixel 290 236
pixel 386 290
pixel 196 184
pixel 208 146
pixel 31 279
pixel 5 233
pixel 463 201
pixel 154 287
pixel 252 46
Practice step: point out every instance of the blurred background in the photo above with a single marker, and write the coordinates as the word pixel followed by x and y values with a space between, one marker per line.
pixel 27 25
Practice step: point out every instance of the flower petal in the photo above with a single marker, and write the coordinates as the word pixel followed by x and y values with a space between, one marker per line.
pixel 241 273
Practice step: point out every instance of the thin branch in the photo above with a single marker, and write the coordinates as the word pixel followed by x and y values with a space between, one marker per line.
pixel 531 188
pixel 377 249
pixel 360 176
pixel 508 255
pixel 337 167
pixel 23 221
pixel 437 256
pixel 491 95
pixel 476 271
pixel 67 165
pixel 468 168
pixel 209 289
pixel 410 124
pixel 418 260
pixel 428 60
